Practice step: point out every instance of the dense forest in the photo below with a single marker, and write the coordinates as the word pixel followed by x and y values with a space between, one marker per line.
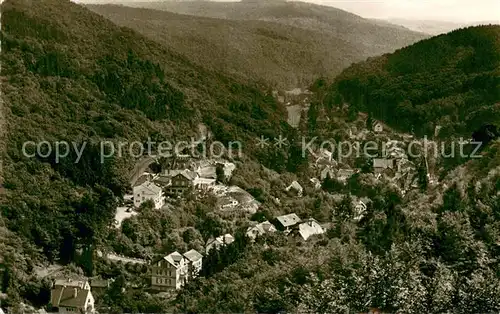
pixel 267 45
pixel 451 81
pixel 70 75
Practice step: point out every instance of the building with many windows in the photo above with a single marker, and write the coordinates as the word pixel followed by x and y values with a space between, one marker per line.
pixel 170 272
pixel 175 270
pixel 148 191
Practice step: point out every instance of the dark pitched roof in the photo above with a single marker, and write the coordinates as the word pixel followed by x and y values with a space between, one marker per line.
pixel 288 220
pixel 65 296
pixel 142 179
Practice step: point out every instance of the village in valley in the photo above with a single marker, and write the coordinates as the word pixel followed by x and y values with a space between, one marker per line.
pixel 162 185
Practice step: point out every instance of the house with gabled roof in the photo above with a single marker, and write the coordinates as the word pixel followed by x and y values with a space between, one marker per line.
pixel 286 222
pixel 68 282
pixel 295 186
pixel 260 229
pixel 382 164
pixel 181 181
pixel 378 127
pixel 194 261
pixel 169 272
pixel 307 229
pixel 72 296
pixel 327 172
pixel 204 184
pixel 344 174
pixel 98 286
pixel 219 242
pixel 148 191
pixel 360 210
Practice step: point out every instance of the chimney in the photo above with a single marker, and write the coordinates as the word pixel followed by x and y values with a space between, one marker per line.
pixel 75 293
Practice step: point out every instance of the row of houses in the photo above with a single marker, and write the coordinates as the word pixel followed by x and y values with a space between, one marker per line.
pixel 174 270
pixel 172 184
pixel 290 224
pixel 182 175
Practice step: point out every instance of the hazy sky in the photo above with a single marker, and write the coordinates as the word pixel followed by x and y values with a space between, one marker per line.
pixel 445 10
pixel 449 10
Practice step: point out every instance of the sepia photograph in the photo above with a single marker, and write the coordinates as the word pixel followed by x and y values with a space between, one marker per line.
pixel 249 156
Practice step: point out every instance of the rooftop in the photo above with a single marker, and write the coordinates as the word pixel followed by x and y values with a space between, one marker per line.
pixel 193 255
pixel 309 228
pixel 70 283
pixel 69 297
pixel 382 163
pixel 288 220
pixel 174 258
pixel 150 186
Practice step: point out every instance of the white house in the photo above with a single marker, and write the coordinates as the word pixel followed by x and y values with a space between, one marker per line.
pixel 378 127
pixel 296 187
pixel 316 183
pixel 344 174
pixel 170 272
pixel 203 183
pixel 148 191
pixel 309 228
pixel 260 229
pixel 360 209
pixel 68 296
pixel 195 261
pixel 381 164
pixel 328 171
pixel 219 242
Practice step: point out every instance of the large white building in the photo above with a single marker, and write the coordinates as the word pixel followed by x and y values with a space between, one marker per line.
pixel 175 270
pixel 148 191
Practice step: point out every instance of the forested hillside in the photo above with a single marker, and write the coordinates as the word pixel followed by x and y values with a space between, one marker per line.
pixel 70 75
pixel 434 27
pixel 373 37
pixel 258 51
pixel 284 43
pixel 451 81
pixel 432 250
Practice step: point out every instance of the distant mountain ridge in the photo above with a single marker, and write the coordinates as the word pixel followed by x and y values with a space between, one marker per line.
pixel 287 44
pixel 436 27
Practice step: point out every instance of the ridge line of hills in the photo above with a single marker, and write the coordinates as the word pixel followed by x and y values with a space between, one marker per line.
pixel 282 50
